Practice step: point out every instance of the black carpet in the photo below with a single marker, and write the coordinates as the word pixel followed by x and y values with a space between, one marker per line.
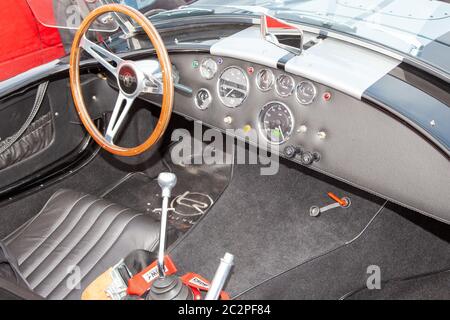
pixel 264 221
pixel 198 185
pixel 430 287
pixel 402 243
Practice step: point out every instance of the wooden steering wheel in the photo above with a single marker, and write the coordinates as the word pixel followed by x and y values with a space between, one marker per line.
pixel 130 78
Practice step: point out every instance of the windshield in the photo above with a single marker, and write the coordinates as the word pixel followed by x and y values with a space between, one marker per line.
pixel 416 28
pixel 68 14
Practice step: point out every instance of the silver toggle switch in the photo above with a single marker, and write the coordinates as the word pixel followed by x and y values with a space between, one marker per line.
pixel 302 129
pixel 322 135
pixel 228 120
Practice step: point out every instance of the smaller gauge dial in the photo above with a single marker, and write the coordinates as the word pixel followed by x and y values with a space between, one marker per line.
pixel 285 85
pixel 208 68
pixel 233 87
pixel 265 79
pixel 276 122
pixel 203 99
pixel 306 92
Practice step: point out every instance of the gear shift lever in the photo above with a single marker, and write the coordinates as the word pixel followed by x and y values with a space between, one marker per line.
pixel 166 181
pixel 167 287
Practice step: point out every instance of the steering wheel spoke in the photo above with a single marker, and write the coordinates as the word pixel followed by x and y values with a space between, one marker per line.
pixel 101 55
pixel 121 109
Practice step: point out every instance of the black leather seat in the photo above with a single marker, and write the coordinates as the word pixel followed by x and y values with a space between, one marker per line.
pixel 74 239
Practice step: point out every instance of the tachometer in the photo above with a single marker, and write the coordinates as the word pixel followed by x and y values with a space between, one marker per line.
pixel 265 79
pixel 233 87
pixel 208 68
pixel 276 122
pixel 306 92
pixel 285 85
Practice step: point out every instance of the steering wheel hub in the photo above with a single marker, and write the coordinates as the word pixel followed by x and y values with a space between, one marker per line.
pixel 128 79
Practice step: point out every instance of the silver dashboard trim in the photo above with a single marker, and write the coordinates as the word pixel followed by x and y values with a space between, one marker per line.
pixel 351 71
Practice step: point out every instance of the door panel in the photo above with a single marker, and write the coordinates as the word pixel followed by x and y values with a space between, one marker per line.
pixel 53 135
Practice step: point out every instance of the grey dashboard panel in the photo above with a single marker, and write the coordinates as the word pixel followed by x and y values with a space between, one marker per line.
pixel 430 114
pixel 363 146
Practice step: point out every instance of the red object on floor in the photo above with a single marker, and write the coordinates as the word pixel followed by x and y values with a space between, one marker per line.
pixel 142 281
pixel 24 42
pixel 198 283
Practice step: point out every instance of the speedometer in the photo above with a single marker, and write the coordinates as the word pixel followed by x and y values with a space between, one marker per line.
pixel 276 122
pixel 233 87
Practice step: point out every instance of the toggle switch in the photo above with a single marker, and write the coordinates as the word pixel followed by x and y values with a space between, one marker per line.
pixel 302 129
pixel 247 128
pixel 228 120
pixel 322 135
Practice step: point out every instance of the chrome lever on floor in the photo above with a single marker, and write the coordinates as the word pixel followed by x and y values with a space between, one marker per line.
pixel 221 276
pixel 166 181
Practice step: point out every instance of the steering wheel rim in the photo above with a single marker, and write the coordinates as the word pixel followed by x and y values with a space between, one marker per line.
pixel 121 68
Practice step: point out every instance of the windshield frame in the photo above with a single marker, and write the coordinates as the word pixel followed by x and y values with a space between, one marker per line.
pixel 409 42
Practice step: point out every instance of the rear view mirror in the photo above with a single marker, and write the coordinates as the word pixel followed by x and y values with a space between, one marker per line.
pixel 282 34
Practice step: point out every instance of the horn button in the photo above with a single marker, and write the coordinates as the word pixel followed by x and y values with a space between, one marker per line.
pixel 128 79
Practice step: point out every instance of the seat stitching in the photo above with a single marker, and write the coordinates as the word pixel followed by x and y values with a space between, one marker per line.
pixel 81 239
pixel 104 254
pixel 57 226
pixel 90 249
pixel 27 224
pixel 68 234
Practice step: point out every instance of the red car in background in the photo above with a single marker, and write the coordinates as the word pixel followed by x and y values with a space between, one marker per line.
pixel 33 44
pixel 26 47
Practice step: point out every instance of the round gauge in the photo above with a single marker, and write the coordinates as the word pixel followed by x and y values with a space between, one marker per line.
pixel 208 68
pixel 233 87
pixel 265 79
pixel 276 122
pixel 285 85
pixel 306 92
pixel 203 99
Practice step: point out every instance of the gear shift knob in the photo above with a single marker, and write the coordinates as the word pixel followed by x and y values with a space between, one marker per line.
pixel 167 181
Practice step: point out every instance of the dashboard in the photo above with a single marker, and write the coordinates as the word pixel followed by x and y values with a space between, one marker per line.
pixel 267 106
pixel 302 120
pixel 316 125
